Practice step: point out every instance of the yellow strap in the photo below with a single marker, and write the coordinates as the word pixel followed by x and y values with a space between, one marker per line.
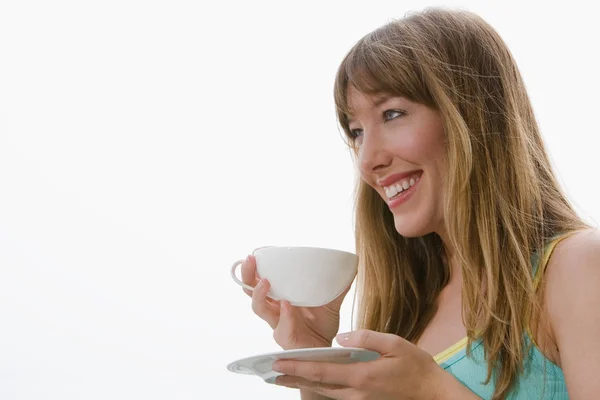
pixel 450 351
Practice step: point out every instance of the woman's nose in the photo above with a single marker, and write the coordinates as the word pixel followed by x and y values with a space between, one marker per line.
pixel 373 153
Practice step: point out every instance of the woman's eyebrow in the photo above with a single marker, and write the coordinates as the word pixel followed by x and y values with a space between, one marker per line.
pixel 379 100
pixel 350 116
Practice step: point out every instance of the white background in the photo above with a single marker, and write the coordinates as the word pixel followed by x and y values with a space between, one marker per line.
pixel 146 145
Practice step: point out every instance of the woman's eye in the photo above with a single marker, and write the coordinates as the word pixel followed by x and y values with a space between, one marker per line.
pixel 355 133
pixel 389 115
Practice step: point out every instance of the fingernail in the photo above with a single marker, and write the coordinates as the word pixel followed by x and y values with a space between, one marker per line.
pixel 259 285
pixel 342 337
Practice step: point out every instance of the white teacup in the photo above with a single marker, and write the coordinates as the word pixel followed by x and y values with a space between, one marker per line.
pixel 304 276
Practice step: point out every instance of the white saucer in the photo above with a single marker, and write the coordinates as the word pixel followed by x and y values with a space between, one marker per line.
pixel 261 365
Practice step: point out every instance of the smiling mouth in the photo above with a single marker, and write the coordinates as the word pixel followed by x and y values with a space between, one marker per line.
pixel 396 189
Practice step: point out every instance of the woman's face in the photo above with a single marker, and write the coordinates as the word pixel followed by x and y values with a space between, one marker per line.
pixel 402 155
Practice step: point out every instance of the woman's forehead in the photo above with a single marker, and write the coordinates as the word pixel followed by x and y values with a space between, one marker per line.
pixel 357 99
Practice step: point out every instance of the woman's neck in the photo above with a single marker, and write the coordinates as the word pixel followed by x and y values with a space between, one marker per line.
pixel 451 259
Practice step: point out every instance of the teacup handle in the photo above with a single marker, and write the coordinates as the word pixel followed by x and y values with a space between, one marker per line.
pixel 235 278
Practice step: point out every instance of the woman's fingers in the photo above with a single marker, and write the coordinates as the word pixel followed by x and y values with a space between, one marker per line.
pixel 262 306
pixel 286 329
pixel 249 273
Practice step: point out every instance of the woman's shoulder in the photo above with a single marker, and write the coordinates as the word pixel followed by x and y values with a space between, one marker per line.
pixel 578 251
pixel 575 260
pixel 572 297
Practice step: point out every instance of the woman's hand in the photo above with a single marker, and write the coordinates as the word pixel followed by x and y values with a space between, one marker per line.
pixel 293 327
pixel 403 371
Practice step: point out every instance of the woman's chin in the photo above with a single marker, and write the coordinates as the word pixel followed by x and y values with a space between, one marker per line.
pixel 410 228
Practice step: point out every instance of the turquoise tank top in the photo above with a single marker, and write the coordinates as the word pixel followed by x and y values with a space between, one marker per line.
pixel 541 380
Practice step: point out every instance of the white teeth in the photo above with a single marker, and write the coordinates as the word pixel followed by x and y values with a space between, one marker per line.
pixel 399 187
pixel 391 191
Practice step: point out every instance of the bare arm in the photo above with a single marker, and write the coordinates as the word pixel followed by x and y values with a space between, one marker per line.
pixel 573 299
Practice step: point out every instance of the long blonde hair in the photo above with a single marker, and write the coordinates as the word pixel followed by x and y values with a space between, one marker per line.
pixel 503 201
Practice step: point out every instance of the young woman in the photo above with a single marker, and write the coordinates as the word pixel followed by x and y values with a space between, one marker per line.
pixel 477 279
